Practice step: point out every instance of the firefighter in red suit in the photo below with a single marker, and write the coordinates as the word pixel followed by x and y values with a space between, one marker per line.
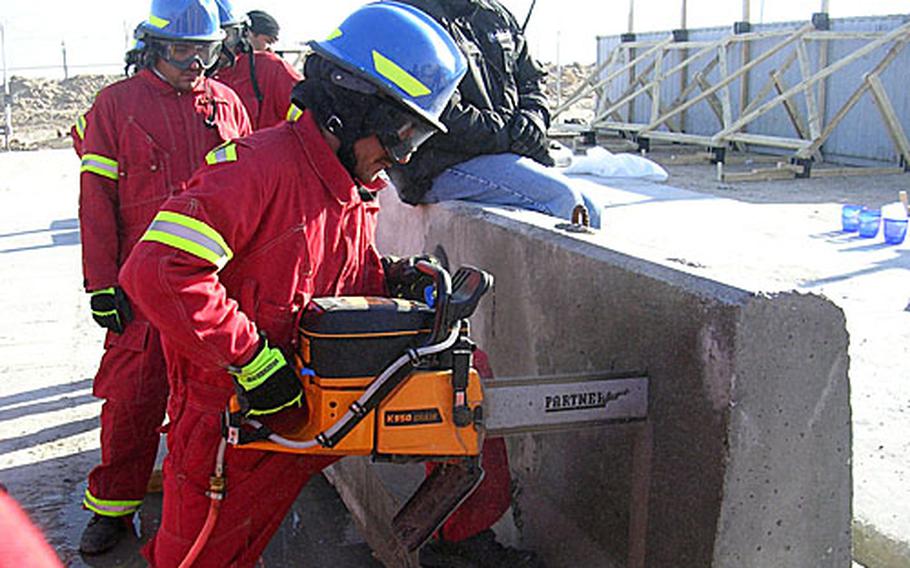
pixel 277 218
pixel 261 78
pixel 144 137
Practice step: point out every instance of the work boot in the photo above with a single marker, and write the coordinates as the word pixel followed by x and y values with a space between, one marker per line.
pixel 103 533
pixel 480 551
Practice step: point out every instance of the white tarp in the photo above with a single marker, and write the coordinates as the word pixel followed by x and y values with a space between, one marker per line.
pixel 601 162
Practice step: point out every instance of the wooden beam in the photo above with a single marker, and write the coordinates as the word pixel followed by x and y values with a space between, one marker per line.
pixel 655 85
pixel 790 107
pixel 683 138
pixel 730 78
pixel 609 78
pixel 669 72
pixel 892 122
pixel 827 71
pixel 823 52
pixel 712 101
pixel 692 86
pixel 724 91
pixel 769 84
pixel 809 91
pixel 605 100
pixel 621 126
pixel 630 54
pixel 762 174
pixel 851 102
pixel 820 35
pixel 856 171
pixel 770 141
pixel 587 87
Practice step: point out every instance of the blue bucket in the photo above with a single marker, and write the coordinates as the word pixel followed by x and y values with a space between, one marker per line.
pixel 869 222
pixel 849 217
pixel 895 230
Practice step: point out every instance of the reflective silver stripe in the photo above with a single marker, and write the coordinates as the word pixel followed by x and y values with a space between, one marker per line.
pixel 99 165
pixel 188 234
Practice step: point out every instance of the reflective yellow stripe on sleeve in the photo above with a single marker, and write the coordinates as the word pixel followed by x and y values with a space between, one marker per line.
pixel 294 114
pixel 80 127
pixel 394 73
pixel 100 165
pixel 227 152
pixel 189 235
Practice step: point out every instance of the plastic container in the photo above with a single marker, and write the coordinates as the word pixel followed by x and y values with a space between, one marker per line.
pixel 869 222
pixel 895 231
pixel 849 217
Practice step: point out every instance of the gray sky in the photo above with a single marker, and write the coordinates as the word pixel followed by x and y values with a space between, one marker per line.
pixel 95 31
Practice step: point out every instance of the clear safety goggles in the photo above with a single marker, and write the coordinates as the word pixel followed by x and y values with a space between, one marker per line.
pixel 182 54
pixel 403 142
pixel 401 133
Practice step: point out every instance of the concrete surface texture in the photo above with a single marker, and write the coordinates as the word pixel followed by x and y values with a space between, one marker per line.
pixel 744 386
pixel 49 350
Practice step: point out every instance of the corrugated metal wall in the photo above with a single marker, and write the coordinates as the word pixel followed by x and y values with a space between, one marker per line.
pixel 860 138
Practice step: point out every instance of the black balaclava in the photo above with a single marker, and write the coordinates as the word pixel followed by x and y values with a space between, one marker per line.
pixel 349 107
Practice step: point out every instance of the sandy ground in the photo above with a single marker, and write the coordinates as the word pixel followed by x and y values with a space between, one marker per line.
pixel 49 346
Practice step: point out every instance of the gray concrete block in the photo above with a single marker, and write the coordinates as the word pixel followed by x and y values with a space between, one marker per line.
pixel 745 459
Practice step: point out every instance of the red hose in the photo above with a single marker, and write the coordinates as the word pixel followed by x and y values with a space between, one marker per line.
pixel 215 494
pixel 204 534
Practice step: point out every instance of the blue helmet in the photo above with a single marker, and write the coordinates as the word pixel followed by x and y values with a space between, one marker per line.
pixel 227 16
pixel 403 52
pixel 182 20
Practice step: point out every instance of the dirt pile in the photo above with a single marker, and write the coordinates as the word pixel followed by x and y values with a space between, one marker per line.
pixel 561 86
pixel 44 109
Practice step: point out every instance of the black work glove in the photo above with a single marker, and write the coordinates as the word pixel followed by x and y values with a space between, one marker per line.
pixel 404 280
pixel 267 384
pixel 111 308
pixel 529 138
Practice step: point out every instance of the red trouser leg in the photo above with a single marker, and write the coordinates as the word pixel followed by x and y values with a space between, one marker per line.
pixel 492 497
pixel 260 489
pixel 133 382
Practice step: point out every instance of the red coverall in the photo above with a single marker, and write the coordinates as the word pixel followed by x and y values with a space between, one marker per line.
pixel 21 543
pixel 143 140
pixel 276 222
pixel 275 78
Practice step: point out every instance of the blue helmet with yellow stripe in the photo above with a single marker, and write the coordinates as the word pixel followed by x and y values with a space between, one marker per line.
pixel 182 20
pixel 228 16
pixel 402 51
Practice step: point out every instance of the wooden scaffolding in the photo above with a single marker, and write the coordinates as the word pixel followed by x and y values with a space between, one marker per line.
pixel 639 69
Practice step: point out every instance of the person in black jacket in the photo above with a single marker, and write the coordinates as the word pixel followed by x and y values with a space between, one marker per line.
pixel 496 150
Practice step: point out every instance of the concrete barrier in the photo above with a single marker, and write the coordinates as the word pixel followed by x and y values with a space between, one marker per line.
pixel 745 458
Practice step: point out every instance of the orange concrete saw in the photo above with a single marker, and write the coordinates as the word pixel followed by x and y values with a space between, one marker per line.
pixel 393 379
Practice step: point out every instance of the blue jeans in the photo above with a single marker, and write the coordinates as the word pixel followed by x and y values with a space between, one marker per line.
pixel 514 181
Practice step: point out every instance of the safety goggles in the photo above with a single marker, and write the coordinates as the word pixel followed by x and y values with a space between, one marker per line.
pixel 233 36
pixel 182 54
pixel 405 141
pixel 400 133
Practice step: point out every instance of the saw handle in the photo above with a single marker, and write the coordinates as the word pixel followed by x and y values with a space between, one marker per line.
pixel 442 283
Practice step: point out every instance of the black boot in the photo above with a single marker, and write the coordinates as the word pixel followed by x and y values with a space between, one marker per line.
pixel 480 551
pixel 103 533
